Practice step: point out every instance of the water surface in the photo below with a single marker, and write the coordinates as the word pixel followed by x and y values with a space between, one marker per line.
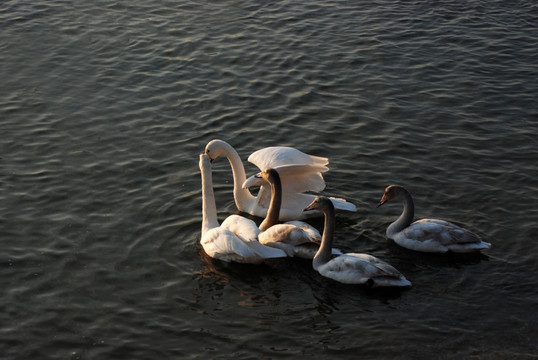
pixel 104 108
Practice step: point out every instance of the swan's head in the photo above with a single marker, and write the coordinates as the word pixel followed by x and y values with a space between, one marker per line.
pixel 215 148
pixel 392 192
pixel 320 203
pixel 270 175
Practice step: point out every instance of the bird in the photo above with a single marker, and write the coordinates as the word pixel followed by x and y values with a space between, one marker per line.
pixel 236 239
pixel 309 178
pixel 350 268
pixel 427 235
pixel 296 238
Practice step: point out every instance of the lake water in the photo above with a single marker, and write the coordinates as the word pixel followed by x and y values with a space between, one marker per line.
pixel 105 106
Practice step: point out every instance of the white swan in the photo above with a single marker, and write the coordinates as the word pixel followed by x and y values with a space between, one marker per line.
pixel 296 238
pixel 428 235
pixel 351 268
pixel 234 240
pixel 295 183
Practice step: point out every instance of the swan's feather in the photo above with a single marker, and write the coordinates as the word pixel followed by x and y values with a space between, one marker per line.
pixel 428 235
pixel 293 203
pixel 301 178
pixel 223 244
pixel 296 238
pixel 355 268
pixel 299 172
pixel 341 204
pixel 291 234
pixel 294 178
pixel 244 228
pixel 266 252
pixel 306 250
pixel 220 243
pixel 282 155
pixel 433 235
pixel 236 239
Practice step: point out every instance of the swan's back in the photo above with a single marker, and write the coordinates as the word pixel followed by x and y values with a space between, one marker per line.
pixel 244 228
pixel 433 235
pixel 296 238
pixel 221 243
pixel 289 234
pixel 356 268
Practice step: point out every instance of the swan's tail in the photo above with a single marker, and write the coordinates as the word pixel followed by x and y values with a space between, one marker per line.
pixel 402 282
pixel 469 247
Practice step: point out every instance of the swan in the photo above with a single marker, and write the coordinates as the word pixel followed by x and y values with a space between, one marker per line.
pixel 310 178
pixel 296 238
pixel 350 268
pixel 236 239
pixel 427 235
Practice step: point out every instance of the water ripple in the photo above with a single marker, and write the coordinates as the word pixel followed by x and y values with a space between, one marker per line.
pixel 104 108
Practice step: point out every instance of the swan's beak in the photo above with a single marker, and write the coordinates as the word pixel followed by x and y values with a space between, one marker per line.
pixel 308 208
pixel 382 201
pixel 209 156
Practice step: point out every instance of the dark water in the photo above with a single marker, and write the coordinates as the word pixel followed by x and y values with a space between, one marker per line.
pixel 105 106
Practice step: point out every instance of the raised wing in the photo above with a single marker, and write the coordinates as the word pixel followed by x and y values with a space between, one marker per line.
pixel 282 155
pixel 298 178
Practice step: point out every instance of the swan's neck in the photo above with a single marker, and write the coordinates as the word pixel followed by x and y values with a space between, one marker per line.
pixel 274 206
pixel 241 195
pixel 324 253
pixel 209 208
pixel 406 217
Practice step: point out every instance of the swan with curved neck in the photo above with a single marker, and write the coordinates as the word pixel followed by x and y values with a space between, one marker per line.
pixel 350 268
pixel 427 235
pixel 296 238
pixel 234 240
pixel 307 178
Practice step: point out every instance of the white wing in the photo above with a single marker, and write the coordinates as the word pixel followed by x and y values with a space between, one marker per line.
pixel 220 243
pixel 299 172
pixel 300 178
pixel 244 228
pixel 223 244
pixel 295 180
pixel 282 155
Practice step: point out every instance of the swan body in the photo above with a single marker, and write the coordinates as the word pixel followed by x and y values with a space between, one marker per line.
pixel 234 240
pixel 307 178
pixel 427 235
pixel 295 238
pixel 350 268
